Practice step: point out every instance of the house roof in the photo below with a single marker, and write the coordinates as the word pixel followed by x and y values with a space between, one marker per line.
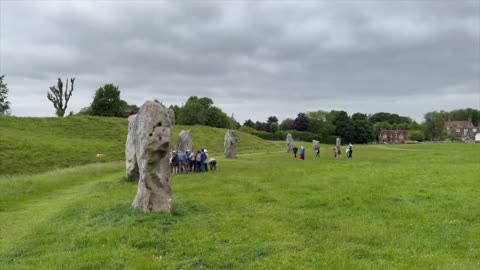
pixel 459 124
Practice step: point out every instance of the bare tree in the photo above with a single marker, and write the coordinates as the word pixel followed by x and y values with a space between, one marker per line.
pixel 59 97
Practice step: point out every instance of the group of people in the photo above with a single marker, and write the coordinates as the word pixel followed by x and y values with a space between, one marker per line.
pixel 302 152
pixel 337 152
pixel 195 161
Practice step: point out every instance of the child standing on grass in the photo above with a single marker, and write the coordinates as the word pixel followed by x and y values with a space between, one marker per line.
pixel 302 153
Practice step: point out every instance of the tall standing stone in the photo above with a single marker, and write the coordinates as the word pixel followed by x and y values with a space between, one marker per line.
pixel 185 141
pixel 316 144
pixel 290 142
pixel 152 142
pixel 230 144
pixel 130 156
pixel 338 143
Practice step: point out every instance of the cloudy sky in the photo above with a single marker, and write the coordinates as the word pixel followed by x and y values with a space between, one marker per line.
pixel 254 59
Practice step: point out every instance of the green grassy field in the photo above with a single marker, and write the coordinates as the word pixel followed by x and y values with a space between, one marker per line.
pixel 32 145
pixel 391 207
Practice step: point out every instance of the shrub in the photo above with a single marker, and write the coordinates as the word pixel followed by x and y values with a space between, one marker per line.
pixel 416 135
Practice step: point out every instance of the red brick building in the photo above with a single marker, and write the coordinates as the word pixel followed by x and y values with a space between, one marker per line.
pixel 393 136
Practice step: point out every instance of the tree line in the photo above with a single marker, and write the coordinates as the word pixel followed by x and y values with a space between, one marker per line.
pixel 359 127
pixel 319 125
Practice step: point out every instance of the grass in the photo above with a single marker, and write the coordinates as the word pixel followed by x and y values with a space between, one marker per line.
pixel 33 145
pixel 391 207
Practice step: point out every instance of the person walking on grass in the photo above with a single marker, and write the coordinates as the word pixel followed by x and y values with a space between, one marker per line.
pixel 191 160
pixel 295 150
pixel 198 161
pixel 205 162
pixel 175 162
pixel 350 150
pixel 302 153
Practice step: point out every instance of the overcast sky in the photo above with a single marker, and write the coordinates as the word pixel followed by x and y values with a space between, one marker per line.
pixel 254 59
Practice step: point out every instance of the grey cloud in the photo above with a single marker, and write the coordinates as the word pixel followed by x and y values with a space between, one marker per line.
pixel 252 58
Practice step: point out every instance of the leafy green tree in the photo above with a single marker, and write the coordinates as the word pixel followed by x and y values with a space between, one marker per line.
pixel 390 118
pixel 107 102
pixel 363 129
pixel 343 126
pixel 249 123
pixel 200 111
pixel 205 102
pixel 4 103
pixel 301 122
pixel 176 111
pixel 130 108
pixel 464 115
pixel 286 124
pixel 272 120
pixel 434 125
pixel 217 118
pixel 192 113
pixel 273 127
pixel 321 123
pixel 416 135
pixel 260 126
pixel 233 123
pixel 60 97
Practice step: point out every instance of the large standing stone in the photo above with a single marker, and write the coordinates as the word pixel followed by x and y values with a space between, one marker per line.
pixel 152 141
pixel 316 144
pixel 338 143
pixel 290 142
pixel 130 156
pixel 185 141
pixel 230 144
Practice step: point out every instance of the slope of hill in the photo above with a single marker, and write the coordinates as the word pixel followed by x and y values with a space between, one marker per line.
pixel 31 145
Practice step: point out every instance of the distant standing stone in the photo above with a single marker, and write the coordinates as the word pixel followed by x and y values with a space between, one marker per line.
pixel 185 141
pixel 130 156
pixel 230 144
pixel 316 144
pixel 339 151
pixel 290 143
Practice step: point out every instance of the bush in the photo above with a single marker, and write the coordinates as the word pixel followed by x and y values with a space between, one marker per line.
pixel 416 135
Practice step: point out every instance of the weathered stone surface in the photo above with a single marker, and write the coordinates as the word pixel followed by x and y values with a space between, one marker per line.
pixel 230 144
pixel 290 142
pixel 185 141
pixel 338 143
pixel 316 144
pixel 130 157
pixel 154 124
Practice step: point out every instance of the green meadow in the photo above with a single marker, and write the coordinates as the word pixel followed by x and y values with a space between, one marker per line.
pixel 390 207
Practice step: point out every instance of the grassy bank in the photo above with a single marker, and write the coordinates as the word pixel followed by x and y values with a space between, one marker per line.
pixel 32 145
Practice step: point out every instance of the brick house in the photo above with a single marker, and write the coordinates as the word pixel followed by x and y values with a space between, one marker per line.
pixel 462 130
pixel 393 136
